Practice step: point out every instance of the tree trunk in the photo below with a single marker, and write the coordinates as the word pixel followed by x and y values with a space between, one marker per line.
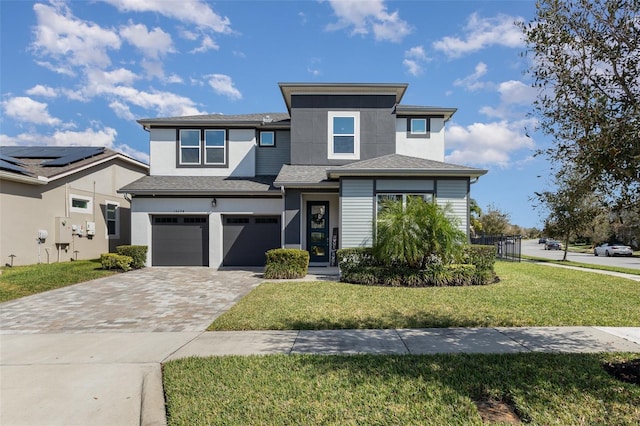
pixel 566 248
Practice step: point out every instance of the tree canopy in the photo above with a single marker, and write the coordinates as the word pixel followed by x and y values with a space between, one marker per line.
pixel 585 60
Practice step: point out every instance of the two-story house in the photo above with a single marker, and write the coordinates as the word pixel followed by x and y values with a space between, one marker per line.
pixel 223 189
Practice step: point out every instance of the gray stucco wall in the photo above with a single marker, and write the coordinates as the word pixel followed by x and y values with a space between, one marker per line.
pixel 269 160
pixel 309 126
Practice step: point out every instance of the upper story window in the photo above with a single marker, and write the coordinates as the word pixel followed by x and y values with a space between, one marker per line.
pixel 418 127
pixel 344 135
pixel 267 139
pixel 202 147
pixel 214 146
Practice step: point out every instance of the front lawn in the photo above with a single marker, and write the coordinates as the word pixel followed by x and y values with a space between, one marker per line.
pixel 528 295
pixel 20 281
pixel 410 389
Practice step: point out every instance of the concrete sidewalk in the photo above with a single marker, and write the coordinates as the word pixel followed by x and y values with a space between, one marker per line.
pixel 116 379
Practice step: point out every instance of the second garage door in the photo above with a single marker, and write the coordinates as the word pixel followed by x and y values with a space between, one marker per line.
pixel 247 238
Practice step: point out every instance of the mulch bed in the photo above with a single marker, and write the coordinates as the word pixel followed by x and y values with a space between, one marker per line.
pixel 626 371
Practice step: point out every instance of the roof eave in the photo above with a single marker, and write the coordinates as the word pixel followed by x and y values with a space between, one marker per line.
pixel 17 177
pixel 209 192
pixel 335 173
pixel 333 185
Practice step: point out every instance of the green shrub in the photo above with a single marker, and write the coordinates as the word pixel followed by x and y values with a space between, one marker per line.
pixel 115 261
pixel 137 253
pixel 349 258
pixel 435 275
pixel 483 257
pixel 286 263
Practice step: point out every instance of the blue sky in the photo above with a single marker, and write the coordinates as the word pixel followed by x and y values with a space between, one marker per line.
pixel 82 72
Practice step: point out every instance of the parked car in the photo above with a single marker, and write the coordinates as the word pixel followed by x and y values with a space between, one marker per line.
pixel 615 249
pixel 542 240
pixel 552 245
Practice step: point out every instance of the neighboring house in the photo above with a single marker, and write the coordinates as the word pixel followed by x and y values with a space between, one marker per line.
pixel 223 189
pixel 61 203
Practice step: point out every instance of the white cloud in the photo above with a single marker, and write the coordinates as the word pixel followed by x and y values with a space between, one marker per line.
pixel 487 143
pixel 481 33
pixel 44 91
pixel 122 110
pixel 154 44
pixel 174 78
pixel 71 41
pixel 516 92
pixel 367 16
pixel 223 85
pixel 414 60
pixel 27 110
pixel 194 12
pixel 207 44
pixel 472 81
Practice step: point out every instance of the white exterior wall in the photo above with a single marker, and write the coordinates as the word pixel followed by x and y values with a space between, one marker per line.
pixel 455 193
pixel 356 205
pixel 241 153
pixel 143 208
pixel 431 148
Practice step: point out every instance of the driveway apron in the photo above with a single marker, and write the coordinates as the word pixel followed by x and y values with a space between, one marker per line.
pixel 145 300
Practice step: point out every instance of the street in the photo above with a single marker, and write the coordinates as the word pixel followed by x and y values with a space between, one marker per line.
pixel 532 248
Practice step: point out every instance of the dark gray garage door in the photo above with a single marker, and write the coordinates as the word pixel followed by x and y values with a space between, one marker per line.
pixel 180 241
pixel 247 238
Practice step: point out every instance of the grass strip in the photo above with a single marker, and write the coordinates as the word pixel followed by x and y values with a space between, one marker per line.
pixel 20 281
pixel 409 389
pixel 584 265
pixel 527 295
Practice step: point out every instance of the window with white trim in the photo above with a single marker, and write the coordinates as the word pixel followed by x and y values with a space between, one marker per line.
pixel 112 216
pixel 267 139
pixel 189 146
pixel 344 135
pixel 214 146
pixel 418 126
pixel 403 197
pixel 81 204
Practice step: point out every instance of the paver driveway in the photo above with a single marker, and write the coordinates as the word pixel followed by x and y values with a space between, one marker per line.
pixel 145 300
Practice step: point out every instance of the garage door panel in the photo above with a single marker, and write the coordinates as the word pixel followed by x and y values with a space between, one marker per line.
pixel 180 241
pixel 247 238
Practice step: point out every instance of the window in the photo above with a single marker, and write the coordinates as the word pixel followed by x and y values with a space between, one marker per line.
pixel 81 204
pixel 267 139
pixel 382 198
pixel 112 214
pixel 344 135
pixel 418 127
pixel 189 146
pixel 214 146
pixel 198 147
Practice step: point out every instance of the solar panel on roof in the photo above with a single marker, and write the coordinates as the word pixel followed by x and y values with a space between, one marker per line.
pixel 10 160
pixel 73 155
pixel 5 165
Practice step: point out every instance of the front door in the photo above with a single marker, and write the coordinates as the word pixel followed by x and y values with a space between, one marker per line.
pixel 318 231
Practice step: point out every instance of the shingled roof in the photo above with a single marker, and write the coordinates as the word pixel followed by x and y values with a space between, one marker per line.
pixel 201 185
pixel 273 119
pixel 304 176
pixel 402 165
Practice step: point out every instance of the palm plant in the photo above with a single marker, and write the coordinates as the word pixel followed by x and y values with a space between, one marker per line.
pixel 416 233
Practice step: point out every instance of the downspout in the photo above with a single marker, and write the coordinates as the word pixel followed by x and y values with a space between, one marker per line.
pixel 284 217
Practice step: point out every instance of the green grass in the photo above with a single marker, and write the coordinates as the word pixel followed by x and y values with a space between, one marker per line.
pixel 528 295
pixel 410 389
pixel 20 281
pixel 584 265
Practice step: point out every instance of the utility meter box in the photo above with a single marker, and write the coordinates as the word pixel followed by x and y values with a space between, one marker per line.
pixel 63 230
pixel 91 228
pixel 42 235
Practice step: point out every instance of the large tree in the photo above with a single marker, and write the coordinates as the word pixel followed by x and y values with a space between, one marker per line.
pixel 495 221
pixel 585 60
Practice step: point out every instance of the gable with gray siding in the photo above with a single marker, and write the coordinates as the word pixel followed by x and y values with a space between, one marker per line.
pixel 269 160
pixel 357 210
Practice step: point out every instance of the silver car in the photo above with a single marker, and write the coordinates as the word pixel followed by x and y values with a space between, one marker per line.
pixel 607 249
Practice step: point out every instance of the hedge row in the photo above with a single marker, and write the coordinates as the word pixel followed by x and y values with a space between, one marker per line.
pixel 359 266
pixel 286 263
pixel 126 258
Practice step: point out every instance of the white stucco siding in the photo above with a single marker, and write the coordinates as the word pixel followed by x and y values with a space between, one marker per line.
pixel 241 155
pixel 144 208
pixel 356 205
pixel 454 192
pixel 431 148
